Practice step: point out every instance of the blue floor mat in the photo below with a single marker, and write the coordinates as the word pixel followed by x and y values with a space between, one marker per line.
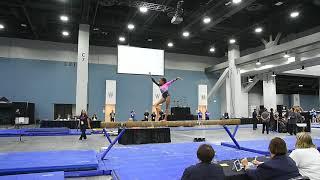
pixel 41 132
pixel 161 161
pixel 34 162
pixel 37 176
pixel 261 146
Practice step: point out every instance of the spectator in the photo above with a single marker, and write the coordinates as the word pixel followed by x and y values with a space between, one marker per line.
pixel 265 116
pixel 207 115
pixel 279 167
pixel 146 115
pixel 205 170
pixel 255 119
pixel 306 156
pixel 292 122
pixel 112 116
pixel 153 116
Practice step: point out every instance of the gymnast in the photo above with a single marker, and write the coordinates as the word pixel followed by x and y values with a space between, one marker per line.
pixel 164 88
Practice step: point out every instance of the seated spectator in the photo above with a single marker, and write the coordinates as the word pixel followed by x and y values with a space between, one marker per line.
pixel 279 167
pixel 205 170
pixel 306 156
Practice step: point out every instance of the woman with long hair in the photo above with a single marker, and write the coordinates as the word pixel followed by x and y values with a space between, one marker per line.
pixel 84 123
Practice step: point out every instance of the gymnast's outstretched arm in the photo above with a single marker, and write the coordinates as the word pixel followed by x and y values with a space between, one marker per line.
pixel 172 81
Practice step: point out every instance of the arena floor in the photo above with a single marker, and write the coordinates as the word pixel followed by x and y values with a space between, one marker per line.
pixel 95 142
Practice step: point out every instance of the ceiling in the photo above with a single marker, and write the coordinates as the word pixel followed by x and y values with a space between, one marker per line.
pixel 39 19
pixel 290 85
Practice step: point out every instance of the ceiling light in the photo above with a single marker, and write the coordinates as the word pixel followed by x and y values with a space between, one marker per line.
pixel 149 40
pixel 300 85
pixel 64 18
pixel 212 49
pixel 258 30
pixel 130 26
pixel 186 34
pixel 294 14
pixel 96 29
pixel 291 59
pixel 273 74
pixel 206 20
pixel 278 3
pixel 143 9
pixel 122 39
pixel 65 33
pixel 232 41
pixel 23 25
pixel 236 1
pixel 250 80
pixel 1 26
pixel 258 63
pixel 286 55
pixel 170 44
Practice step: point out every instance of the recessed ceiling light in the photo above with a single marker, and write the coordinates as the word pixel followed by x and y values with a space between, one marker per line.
pixel 250 79
pixel 130 26
pixel 212 49
pixel 300 85
pixel 186 34
pixel 294 14
pixel 278 3
pixel 273 74
pixel 64 18
pixel 65 33
pixel 122 39
pixel 170 44
pixel 23 25
pixel 149 40
pixel 258 63
pixel 232 41
pixel 236 1
pixel 206 20
pixel 96 29
pixel 258 30
pixel 1 26
pixel 143 9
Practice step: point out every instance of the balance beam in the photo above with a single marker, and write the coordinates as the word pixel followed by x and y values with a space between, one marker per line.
pixel 129 124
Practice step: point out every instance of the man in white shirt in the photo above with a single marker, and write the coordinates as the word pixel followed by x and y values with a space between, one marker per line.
pixel 306 157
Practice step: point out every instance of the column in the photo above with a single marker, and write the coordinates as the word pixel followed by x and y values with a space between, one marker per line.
pixel 295 99
pixel 238 99
pixel 82 68
pixel 269 92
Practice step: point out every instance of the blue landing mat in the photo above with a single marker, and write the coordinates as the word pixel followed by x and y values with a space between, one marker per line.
pixel 41 132
pixel 37 176
pixel 161 161
pixel 34 162
pixel 261 146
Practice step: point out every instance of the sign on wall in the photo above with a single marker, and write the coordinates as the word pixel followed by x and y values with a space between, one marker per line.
pixel 202 95
pixel 156 94
pixel 111 89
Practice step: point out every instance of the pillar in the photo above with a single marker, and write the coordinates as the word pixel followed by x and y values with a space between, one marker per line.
pixel 269 92
pixel 295 99
pixel 238 100
pixel 82 68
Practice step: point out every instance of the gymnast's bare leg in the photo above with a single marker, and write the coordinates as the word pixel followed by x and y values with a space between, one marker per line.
pixel 158 108
pixel 168 99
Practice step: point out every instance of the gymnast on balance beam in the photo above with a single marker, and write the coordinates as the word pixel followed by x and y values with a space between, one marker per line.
pixel 164 88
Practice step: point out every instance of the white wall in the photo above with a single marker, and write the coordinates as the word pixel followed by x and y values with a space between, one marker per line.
pixel 53 51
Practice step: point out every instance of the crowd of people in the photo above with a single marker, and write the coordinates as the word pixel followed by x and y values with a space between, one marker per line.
pixel 303 162
pixel 271 120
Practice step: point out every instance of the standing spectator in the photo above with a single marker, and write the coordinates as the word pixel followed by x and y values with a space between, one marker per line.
pixel 265 116
pixel 226 115
pixel 207 115
pixel 306 156
pixel 112 116
pixel 132 115
pixel 279 167
pixel 94 117
pixel 276 119
pixel 292 122
pixel 153 116
pixel 255 119
pixel 272 121
pixel 161 114
pixel 199 115
pixel 206 169
pixel 146 115
pixel 84 123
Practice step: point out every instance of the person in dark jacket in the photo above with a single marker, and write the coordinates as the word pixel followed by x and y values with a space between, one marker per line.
pixel 205 170
pixel 279 167
pixel 255 119
pixel 292 122
pixel 84 123
pixel 265 117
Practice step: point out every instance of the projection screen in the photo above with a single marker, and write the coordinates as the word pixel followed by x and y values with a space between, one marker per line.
pixel 135 60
